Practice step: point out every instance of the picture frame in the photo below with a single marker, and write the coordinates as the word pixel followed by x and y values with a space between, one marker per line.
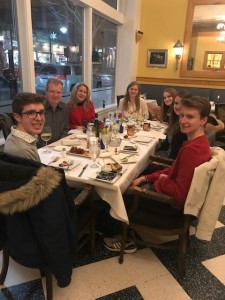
pixel 157 58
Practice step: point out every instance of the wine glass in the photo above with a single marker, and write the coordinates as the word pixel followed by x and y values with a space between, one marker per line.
pixel 94 151
pixel 144 115
pixel 115 129
pixel 106 138
pixel 46 135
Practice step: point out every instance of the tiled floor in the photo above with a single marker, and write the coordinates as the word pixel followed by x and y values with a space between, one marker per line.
pixel 147 274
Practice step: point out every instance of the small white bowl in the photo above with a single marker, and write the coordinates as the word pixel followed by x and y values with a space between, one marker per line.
pixel 106 169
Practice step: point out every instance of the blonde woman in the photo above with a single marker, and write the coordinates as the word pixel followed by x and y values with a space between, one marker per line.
pixel 132 104
pixel 81 108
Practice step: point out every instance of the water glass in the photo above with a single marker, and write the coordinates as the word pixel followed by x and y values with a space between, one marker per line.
pixel 94 151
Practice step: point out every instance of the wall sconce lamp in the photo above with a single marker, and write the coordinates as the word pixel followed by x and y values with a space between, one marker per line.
pixel 139 35
pixel 178 49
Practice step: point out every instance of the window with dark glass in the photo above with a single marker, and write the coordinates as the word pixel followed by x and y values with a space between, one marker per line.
pixel 57 38
pixel 112 3
pixel 9 55
pixel 103 61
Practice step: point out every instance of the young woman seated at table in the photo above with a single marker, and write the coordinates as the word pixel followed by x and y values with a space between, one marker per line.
pixel 81 108
pixel 132 105
pixel 175 138
pixel 166 103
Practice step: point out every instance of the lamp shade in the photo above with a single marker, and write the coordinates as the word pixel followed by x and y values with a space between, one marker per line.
pixel 178 48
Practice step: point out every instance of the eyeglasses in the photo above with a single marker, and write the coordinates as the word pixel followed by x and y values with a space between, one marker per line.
pixel 32 114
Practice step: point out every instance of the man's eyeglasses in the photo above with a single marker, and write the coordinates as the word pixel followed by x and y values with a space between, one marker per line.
pixel 32 114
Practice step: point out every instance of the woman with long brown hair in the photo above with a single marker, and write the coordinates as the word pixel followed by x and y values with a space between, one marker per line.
pixel 132 104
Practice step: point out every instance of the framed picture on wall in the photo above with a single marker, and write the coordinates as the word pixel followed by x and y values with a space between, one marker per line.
pixel 157 58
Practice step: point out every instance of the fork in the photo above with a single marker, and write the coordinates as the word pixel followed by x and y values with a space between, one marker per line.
pixel 69 164
pixel 54 159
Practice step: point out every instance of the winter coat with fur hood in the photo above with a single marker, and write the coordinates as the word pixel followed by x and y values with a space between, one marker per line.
pixel 37 217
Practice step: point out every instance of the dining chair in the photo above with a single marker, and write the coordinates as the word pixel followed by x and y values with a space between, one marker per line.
pixel 199 210
pixel 118 97
pixel 220 113
pixel 6 122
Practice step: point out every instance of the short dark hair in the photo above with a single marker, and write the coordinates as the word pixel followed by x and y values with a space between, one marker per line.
pixel 200 103
pixel 22 99
pixel 55 81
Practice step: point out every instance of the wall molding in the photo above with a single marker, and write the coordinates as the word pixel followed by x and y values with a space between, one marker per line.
pixel 183 82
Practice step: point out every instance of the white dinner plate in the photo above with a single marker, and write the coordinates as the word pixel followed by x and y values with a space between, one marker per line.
pixel 71 164
pixel 81 136
pixel 111 177
pixel 71 142
pixel 130 160
pixel 142 139
pixel 60 148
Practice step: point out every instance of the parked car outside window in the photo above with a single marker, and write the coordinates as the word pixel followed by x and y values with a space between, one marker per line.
pixel 65 73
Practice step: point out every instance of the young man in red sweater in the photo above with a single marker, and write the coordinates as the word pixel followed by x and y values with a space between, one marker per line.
pixel 175 181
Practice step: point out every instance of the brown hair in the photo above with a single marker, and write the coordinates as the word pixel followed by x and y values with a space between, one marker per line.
pixel 22 99
pixel 199 103
pixel 127 97
pixel 55 81
pixel 165 109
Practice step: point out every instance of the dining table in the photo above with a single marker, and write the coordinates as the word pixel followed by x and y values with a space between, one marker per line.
pixel 133 162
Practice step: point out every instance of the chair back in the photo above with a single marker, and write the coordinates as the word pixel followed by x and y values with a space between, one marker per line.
pixel 6 122
pixel 220 111
pixel 205 197
pixel 118 97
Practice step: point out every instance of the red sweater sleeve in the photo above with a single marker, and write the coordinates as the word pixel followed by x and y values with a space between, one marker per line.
pixel 180 174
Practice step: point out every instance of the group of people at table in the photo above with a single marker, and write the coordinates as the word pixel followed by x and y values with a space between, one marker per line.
pixel 186 142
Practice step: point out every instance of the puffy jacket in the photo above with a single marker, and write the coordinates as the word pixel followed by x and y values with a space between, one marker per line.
pixel 37 216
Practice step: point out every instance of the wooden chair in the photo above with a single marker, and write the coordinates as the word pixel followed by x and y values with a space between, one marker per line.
pixel 220 113
pixel 86 232
pixel 200 197
pixel 118 97
pixel 6 121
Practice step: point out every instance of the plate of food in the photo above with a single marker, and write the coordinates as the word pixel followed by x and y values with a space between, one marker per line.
pixel 78 152
pixel 110 173
pixel 65 163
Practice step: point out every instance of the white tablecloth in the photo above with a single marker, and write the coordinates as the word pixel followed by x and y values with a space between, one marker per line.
pixel 111 193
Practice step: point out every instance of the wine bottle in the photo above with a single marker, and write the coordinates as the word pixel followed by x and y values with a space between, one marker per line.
pixel 96 124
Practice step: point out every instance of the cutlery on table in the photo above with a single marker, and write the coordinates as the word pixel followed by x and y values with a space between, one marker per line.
pixel 125 159
pixel 54 159
pixel 84 168
pixel 71 162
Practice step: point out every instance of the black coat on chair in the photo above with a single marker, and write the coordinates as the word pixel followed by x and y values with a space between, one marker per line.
pixel 37 216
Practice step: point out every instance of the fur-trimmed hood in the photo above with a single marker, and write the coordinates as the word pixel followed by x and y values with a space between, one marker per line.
pixel 29 195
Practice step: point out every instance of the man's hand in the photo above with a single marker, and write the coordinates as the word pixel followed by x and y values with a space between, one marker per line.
pixel 162 177
pixel 138 181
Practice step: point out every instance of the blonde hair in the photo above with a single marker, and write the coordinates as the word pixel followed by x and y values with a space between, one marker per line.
pixel 73 100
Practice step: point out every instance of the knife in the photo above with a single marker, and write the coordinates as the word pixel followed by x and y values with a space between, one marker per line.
pixel 84 168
